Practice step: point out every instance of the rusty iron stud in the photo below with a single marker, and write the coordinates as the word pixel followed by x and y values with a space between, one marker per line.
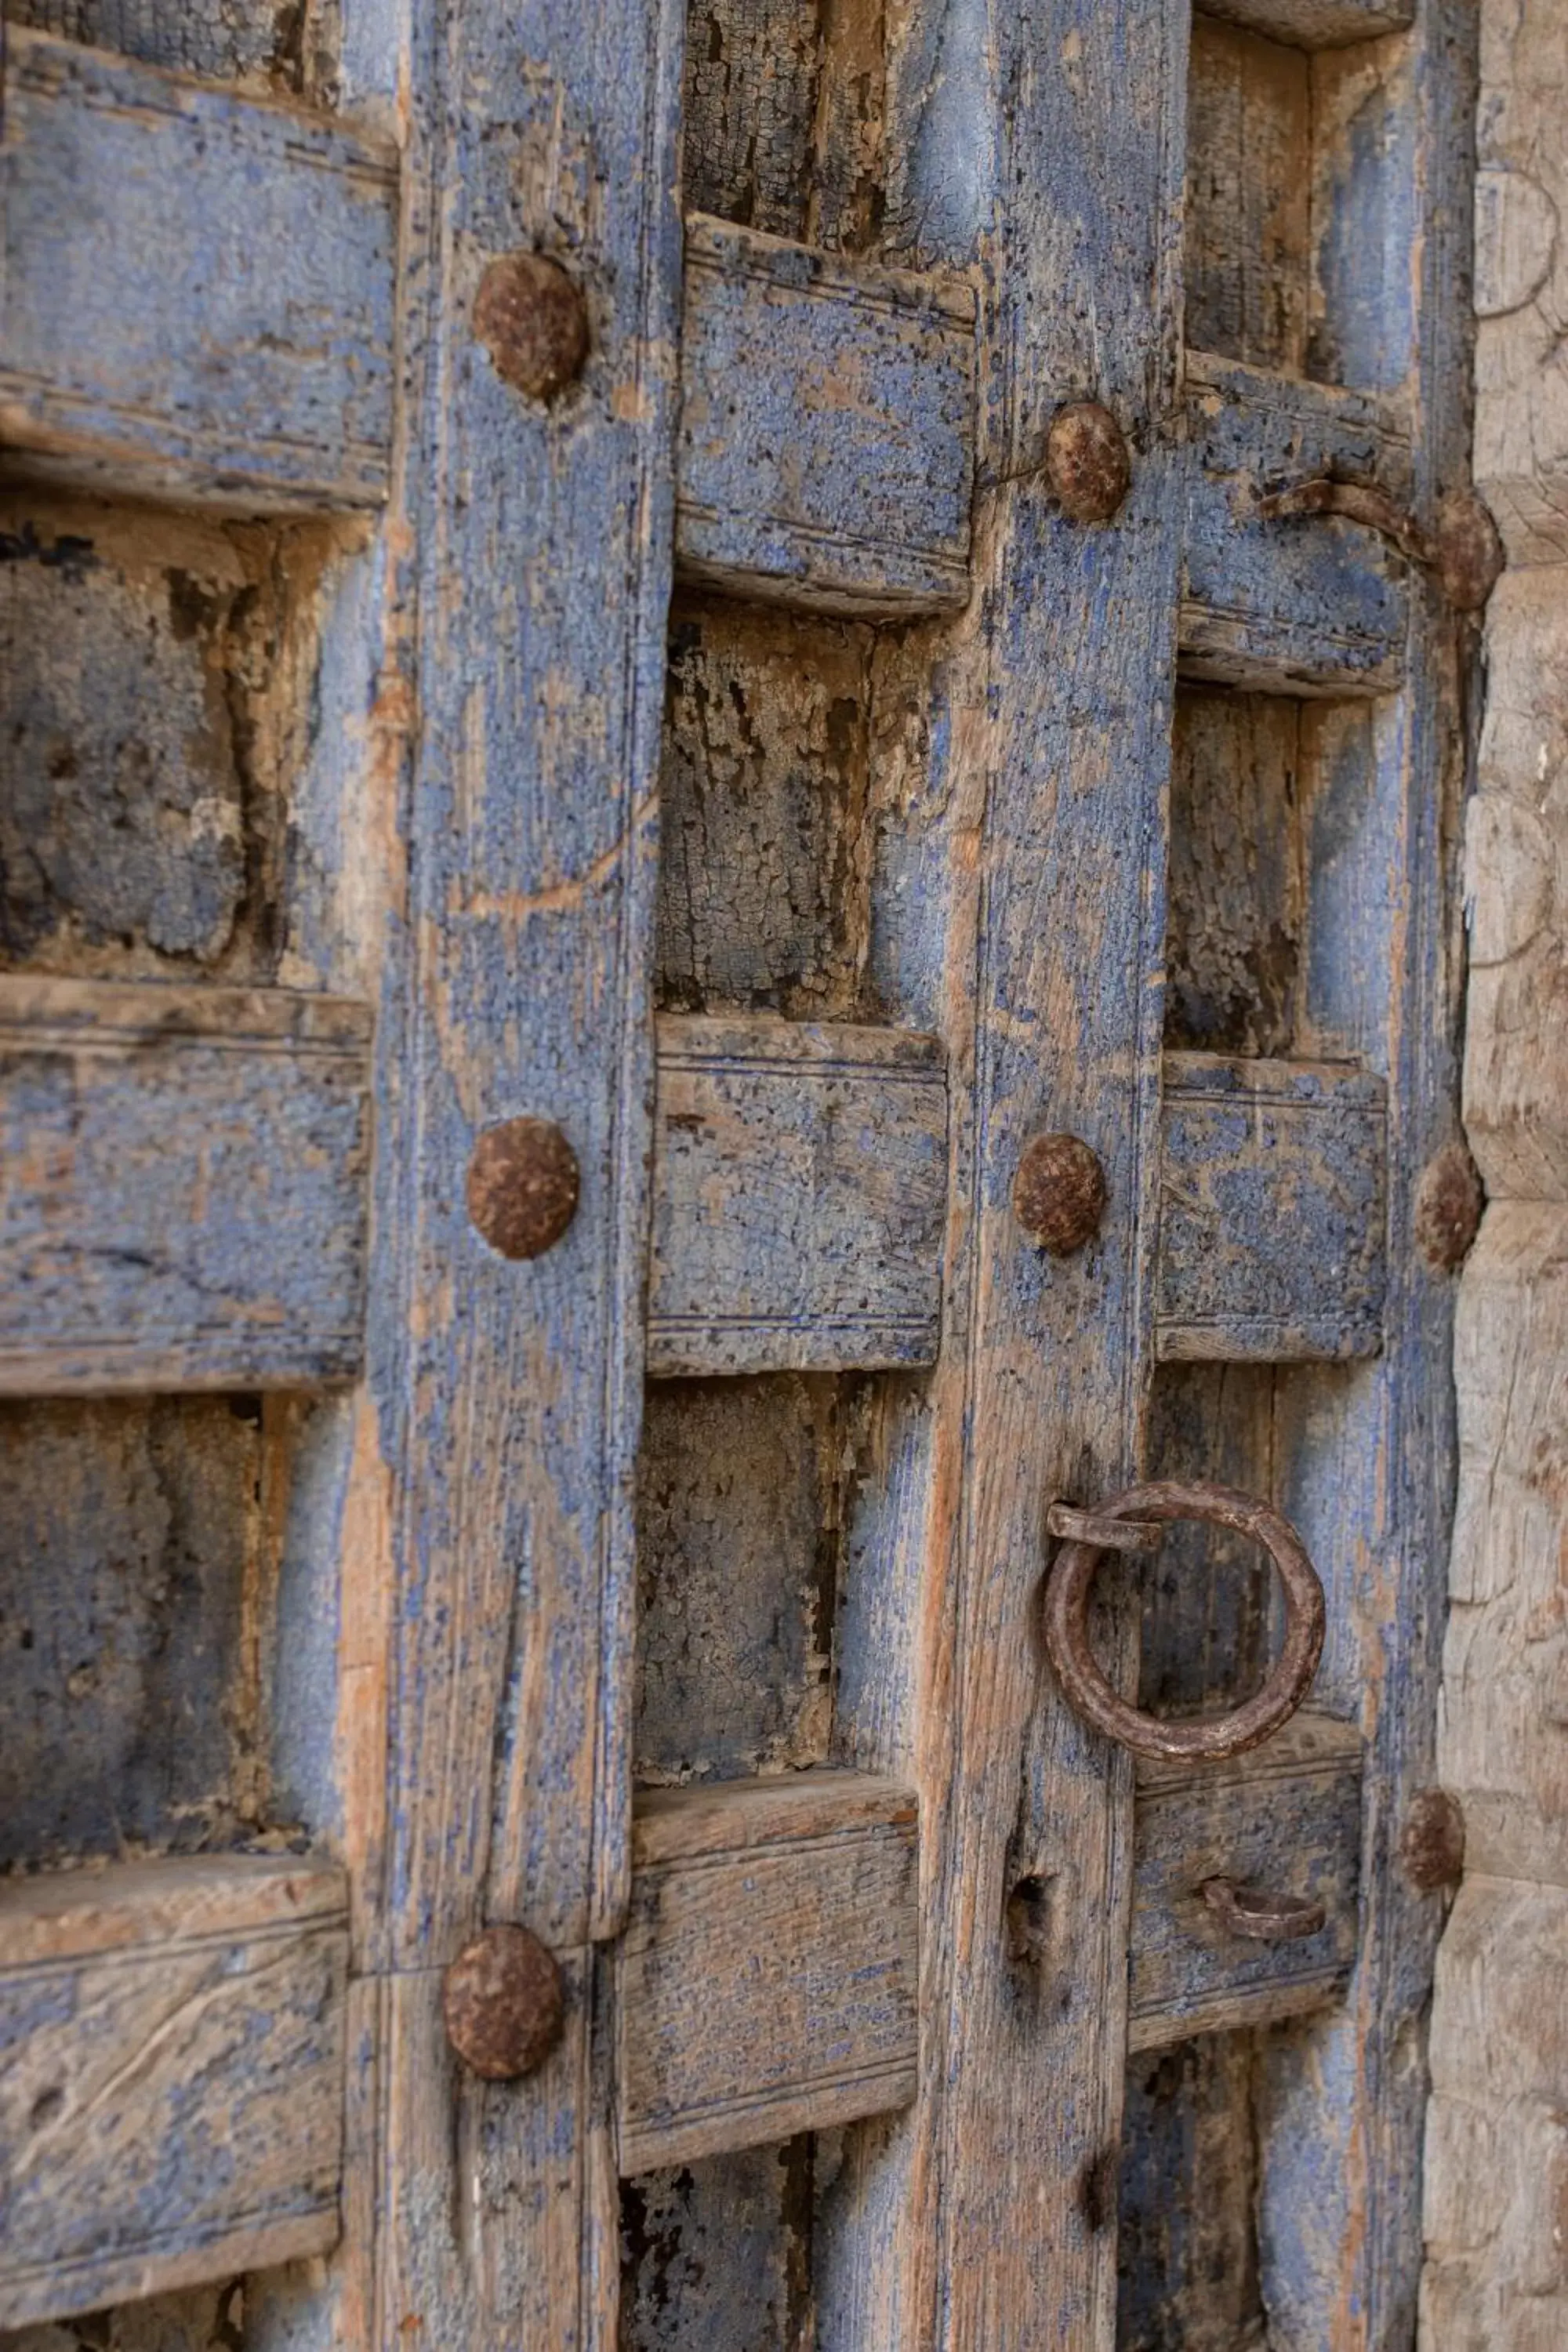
pixel 502 2003
pixel 522 1186
pixel 1470 550
pixel 532 318
pixel 1431 1842
pixel 1087 462
pixel 1448 1205
pixel 1058 1192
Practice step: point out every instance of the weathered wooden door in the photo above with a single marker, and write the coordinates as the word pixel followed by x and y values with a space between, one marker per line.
pixel 602 1181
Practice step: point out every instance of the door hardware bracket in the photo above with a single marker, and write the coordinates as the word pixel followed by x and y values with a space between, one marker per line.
pixel 1465 552
pixel 1262 1917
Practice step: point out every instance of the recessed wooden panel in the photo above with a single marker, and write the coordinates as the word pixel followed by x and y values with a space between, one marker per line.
pixel 171 2076
pixel 1286 1819
pixel 800 1194
pixel 767 1979
pixel 1272 1246
pixel 1294 604
pixel 182 1173
pixel 198 287
pixel 827 426
pixel 1248 191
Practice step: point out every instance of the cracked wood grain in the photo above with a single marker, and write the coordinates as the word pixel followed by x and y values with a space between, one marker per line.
pixel 171 2104
pixel 1021 913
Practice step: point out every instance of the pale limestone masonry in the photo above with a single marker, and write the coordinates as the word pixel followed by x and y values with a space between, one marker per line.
pixel 1497 2150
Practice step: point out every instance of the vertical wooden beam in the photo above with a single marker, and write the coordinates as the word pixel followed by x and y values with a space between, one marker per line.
pixel 507 1394
pixel 489 835
pixel 1372 1458
pixel 1026 922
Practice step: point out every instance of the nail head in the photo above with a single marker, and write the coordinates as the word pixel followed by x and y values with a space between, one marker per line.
pixel 1087 463
pixel 522 1186
pixel 532 318
pixel 1058 1192
pixel 503 2004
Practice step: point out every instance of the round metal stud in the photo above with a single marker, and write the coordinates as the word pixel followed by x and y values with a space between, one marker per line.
pixel 1470 550
pixel 532 318
pixel 1431 1842
pixel 503 2004
pixel 1087 463
pixel 522 1186
pixel 1448 1204
pixel 1058 1192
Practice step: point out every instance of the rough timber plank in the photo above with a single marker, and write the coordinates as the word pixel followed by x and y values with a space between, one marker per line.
pixel 182 1186
pixel 1018 911
pixel 1286 1818
pixel 827 427
pixel 197 290
pixel 1370 1481
pixel 767 1979
pixel 800 1191
pixel 1271 1210
pixel 1297 605
pixel 171 2088
pixel 485 1696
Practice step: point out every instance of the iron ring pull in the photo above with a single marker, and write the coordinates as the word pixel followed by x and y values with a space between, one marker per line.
pixel 1205 1739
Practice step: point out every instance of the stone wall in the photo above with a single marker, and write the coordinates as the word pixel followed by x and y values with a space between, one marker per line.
pixel 1497 2155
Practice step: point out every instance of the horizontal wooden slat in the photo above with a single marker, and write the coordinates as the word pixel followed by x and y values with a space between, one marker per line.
pixel 182 1199
pixel 1314 24
pixel 1272 1246
pixel 1306 604
pixel 1286 1819
pixel 767 1979
pixel 171 2076
pixel 827 426
pixel 196 297
pixel 182 1173
pixel 800 1190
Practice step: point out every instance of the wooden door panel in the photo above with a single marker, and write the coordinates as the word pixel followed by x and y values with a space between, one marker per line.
pixel 1291 603
pixel 184 1205
pixel 768 1980
pixel 1315 24
pixel 198 286
pixel 1285 1820
pixel 826 429
pixel 913 913
pixel 183 1199
pixel 800 1189
pixel 172 2099
pixel 1272 1210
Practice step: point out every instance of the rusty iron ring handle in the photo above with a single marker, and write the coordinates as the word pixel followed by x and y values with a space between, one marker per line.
pixel 1208 1739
